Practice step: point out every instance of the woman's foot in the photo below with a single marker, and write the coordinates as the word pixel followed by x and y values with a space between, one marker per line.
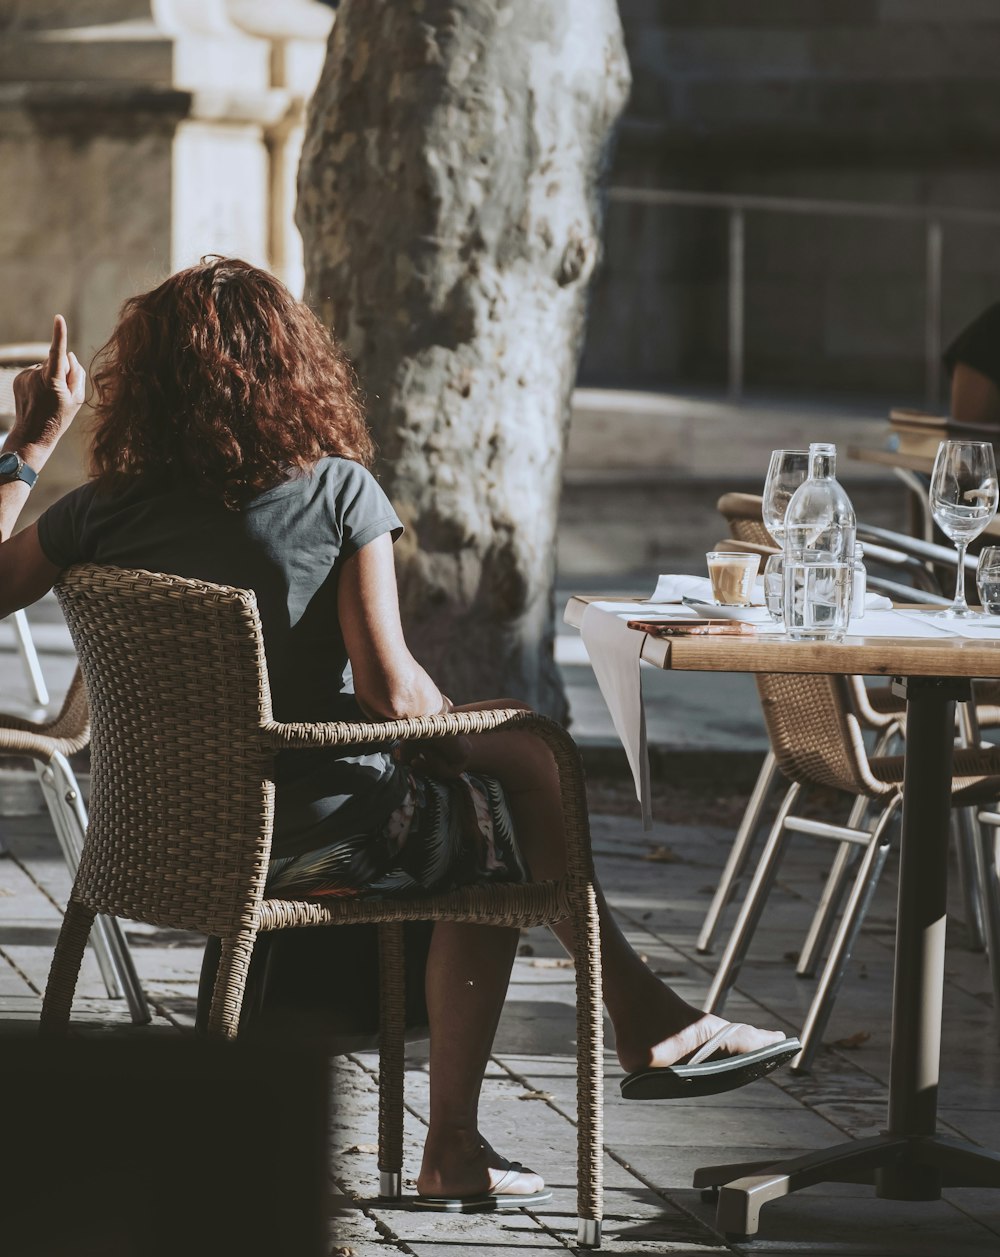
pixel 462 1165
pixel 676 1047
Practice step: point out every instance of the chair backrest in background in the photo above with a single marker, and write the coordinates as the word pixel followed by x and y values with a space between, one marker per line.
pixel 742 513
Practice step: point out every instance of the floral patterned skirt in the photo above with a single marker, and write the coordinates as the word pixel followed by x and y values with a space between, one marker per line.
pixel 445 834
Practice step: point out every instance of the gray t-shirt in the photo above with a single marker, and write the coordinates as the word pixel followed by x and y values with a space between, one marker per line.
pixel 286 545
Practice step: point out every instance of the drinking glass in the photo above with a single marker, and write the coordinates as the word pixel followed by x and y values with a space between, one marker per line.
pixel 963 497
pixel 786 471
pixel 732 575
pixel 774 586
pixel 817 597
pixel 988 579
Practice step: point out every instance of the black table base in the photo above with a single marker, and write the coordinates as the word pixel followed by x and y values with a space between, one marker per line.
pixel 910 1161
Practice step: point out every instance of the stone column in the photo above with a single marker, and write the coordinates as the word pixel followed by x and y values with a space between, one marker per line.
pixel 135 136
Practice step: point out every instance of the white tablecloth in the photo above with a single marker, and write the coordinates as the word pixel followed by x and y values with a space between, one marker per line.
pixel 615 650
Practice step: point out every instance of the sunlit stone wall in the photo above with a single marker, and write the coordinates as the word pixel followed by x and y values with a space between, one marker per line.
pixel 135 136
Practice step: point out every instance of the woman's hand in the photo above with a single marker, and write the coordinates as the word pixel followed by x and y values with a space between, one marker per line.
pixel 438 757
pixel 47 398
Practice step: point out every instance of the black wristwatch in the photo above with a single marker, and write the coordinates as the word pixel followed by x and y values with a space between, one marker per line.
pixel 13 467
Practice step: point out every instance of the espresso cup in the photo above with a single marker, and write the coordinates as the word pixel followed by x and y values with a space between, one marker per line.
pixel 732 574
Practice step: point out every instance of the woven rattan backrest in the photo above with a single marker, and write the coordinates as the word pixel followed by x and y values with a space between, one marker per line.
pixel 815 736
pixel 814 733
pixel 181 804
pixel 742 513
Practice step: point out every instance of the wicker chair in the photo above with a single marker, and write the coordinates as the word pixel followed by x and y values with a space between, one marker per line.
pixel 817 741
pixel 49 744
pixel 182 807
pixel 881 711
pixel 742 512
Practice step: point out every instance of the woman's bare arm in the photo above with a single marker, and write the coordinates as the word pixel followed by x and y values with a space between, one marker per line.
pixel 25 573
pixel 388 681
pixel 974 396
pixel 47 398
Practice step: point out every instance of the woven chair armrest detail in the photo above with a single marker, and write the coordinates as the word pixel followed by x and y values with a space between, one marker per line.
pixel 24 742
pixel 21 724
pixel 967 763
pixel 279 736
pixel 24 738
pixel 579 861
pixel 68 731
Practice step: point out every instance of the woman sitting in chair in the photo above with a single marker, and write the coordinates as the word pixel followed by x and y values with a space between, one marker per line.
pixel 230 446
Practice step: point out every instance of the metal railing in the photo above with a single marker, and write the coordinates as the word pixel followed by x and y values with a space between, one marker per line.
pixel 738 205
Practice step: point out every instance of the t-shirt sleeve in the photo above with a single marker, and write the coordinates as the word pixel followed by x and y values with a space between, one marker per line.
pixel 63 528
pixel 978 345
pixel 362 510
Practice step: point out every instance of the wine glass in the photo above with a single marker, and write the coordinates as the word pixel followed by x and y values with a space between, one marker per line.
pixel 786 471
pixel 963 496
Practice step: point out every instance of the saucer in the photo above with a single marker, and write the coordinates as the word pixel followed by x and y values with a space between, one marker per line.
pixel 726 611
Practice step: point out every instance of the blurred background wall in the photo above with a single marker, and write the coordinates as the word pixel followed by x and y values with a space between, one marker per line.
pixel 135 136
pixel 886 101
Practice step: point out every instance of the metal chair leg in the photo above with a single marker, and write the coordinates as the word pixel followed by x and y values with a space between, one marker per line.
pixel 61 792
pixel 859 900
pixel 821 926
pixel 29 656
pixel 751 909
pixel 739 853
pixel 987 852
pixel 965 829
pixel 967 839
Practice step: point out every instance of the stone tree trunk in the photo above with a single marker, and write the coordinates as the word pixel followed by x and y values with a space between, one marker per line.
pixel 449 207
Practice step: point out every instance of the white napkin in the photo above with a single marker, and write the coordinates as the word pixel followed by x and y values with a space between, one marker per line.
pixel 925 624
pixel 614 651
pixel 895 624
pixel 982 627
pixel 674 588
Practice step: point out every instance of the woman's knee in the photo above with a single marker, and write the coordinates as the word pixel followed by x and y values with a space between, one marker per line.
pixel 520 761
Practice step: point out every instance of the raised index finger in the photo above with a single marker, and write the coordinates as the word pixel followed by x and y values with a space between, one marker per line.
pixel 58 361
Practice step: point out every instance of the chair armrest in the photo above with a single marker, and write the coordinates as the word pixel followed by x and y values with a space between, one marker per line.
pixel 68 732
pixel 897 560
pixel 905 593
pixel 913 546
pixel 579 862
pixel 289 737
pixel 732 545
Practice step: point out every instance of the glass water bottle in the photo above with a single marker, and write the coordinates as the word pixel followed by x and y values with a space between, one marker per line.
pixel 820 528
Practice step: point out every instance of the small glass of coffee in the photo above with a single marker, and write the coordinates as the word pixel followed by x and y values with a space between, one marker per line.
pixel 732 575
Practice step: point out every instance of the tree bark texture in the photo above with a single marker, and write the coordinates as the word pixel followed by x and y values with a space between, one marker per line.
pixel 449 205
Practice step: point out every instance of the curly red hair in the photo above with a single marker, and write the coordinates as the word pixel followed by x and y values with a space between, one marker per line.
pixel 221 378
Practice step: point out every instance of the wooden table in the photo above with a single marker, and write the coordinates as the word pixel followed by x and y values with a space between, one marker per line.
pixel 909 1160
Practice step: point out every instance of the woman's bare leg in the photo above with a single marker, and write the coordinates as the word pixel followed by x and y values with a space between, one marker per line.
pixel 653 1025
pixel 468 969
